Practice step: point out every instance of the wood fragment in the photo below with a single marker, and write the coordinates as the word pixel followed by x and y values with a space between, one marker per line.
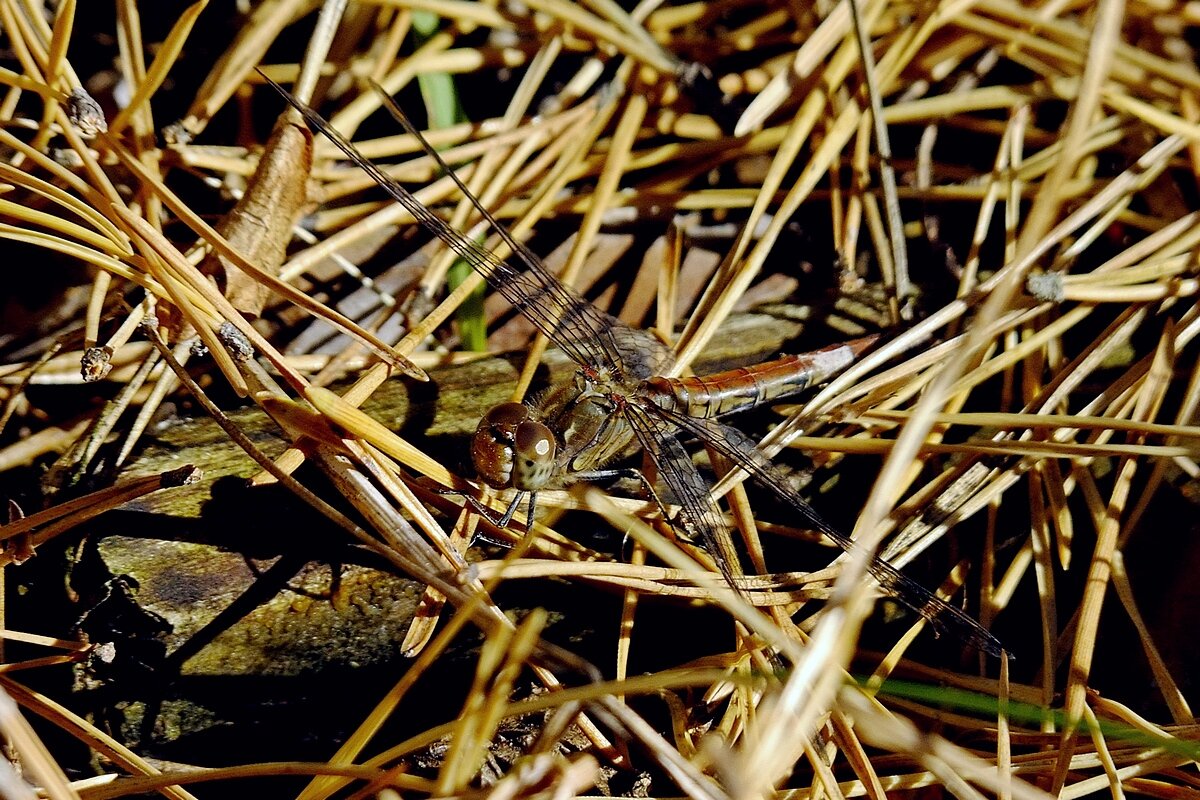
pixel 260 225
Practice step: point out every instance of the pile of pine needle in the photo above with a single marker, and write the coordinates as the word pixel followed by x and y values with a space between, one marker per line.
pixel 1007 190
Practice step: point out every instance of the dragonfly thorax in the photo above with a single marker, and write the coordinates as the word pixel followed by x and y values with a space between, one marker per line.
pixel 592 430
pixel 512 449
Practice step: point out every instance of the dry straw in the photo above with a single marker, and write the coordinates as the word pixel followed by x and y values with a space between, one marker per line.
pixel 1007 189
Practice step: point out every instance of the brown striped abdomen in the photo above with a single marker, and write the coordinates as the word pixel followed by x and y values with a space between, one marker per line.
pixel 748 387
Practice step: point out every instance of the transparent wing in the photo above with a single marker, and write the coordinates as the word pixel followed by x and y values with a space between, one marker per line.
pixel 741 450
pixel 699 513
pixel 590 336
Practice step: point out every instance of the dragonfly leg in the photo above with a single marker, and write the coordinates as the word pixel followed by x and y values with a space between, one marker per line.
pixel 529 511
pixel 630 473
pixel 490 515
pixel 486 512
pixel 506 518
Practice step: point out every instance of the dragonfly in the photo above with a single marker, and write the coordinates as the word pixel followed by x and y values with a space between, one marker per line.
pixel 619 399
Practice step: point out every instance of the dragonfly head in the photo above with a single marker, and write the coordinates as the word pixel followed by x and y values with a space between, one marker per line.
pixel 512 449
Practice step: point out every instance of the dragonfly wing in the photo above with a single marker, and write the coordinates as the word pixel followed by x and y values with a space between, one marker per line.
pixel 698 511
pixel 590 336
pixel 741 450
pixel 587 334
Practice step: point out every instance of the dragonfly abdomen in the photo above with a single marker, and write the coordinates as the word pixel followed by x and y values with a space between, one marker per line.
pixel 745 388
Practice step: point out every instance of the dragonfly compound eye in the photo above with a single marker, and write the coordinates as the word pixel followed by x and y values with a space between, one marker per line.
pixel 535 456
pixel 507 416
pixel 494 441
